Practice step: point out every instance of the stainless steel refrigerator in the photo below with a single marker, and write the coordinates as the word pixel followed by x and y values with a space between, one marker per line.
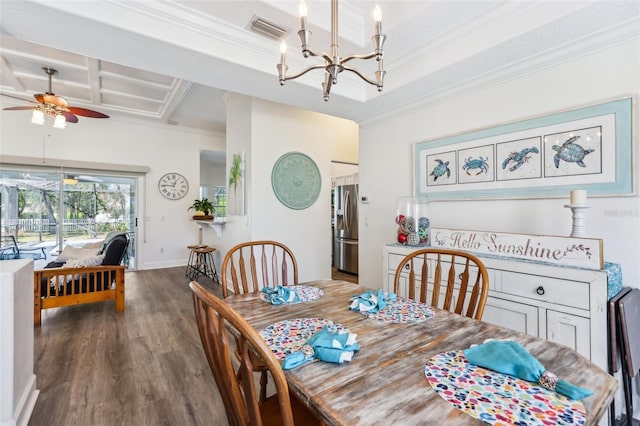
pixel 345 230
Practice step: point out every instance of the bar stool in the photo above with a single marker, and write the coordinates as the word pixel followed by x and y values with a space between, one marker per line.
pixel 202 263
pixel 191 261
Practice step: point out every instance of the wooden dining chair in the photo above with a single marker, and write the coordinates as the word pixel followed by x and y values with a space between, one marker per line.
pixel 252 265
pixel 453 280
pixel 235 378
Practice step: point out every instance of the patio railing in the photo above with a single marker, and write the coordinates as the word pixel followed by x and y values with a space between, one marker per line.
pixel 71 226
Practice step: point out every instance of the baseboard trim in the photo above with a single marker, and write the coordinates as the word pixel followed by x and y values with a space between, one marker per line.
pixel 27 403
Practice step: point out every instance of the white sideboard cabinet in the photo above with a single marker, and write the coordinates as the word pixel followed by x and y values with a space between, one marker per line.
pixel 563 304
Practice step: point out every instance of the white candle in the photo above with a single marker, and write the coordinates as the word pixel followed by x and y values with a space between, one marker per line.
pixel 578 197
pixel 377 17
pixel 302 9
pixel 283 51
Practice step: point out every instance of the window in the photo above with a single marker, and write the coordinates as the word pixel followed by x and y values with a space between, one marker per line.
pixel 47 210
pixel 220 201
pixel 204 192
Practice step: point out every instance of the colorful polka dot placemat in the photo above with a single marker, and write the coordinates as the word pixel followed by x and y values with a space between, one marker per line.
pixel 306 293
pixel 497 398
pixel 402 311
pixel 288 336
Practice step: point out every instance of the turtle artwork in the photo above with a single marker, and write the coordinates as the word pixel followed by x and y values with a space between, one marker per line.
pixel 570 152
pixel 440 169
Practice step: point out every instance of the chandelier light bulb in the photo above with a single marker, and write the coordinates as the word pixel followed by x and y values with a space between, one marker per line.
pixel 283 52
pixel 302 10
pixel 37 117
pixel 377 14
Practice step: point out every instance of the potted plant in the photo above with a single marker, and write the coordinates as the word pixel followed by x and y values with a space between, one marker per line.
pixel 203 209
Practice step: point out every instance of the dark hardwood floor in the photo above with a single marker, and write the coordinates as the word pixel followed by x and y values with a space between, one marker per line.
pixel 144 366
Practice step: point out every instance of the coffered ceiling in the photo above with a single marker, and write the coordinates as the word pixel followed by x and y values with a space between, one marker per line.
pixel 173 61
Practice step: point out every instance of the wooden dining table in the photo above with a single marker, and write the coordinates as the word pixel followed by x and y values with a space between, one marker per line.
pixel 385 381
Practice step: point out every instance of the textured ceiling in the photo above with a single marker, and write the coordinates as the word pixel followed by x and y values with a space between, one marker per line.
pixel 172 61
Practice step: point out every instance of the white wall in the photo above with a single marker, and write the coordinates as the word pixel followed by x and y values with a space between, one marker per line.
pixel 163 224
pixel 386 161
pixel 265 131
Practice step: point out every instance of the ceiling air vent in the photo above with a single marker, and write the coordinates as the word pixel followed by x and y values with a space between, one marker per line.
pixel 266 28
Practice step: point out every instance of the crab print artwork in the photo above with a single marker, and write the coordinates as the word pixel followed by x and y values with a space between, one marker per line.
pixel 440 169
pixel 478 165
pixel 570 152
pixel 517 159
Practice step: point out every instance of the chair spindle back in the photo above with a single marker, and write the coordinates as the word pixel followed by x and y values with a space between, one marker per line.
pixel 459 276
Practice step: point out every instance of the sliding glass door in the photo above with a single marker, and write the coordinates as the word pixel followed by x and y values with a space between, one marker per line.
pixel 45 211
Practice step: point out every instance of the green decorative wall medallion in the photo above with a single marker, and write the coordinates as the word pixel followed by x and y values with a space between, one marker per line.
pixel 296 180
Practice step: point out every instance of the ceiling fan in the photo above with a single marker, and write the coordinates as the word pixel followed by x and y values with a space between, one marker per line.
pixel 50 104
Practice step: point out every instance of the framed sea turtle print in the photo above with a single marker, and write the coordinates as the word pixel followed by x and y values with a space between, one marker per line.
pixel 590 147
pixel 439 165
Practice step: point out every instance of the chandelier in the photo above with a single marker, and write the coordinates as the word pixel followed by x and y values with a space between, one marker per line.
pixel 333 63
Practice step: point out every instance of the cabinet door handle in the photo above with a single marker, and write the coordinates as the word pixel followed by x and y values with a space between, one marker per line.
pixel 540 290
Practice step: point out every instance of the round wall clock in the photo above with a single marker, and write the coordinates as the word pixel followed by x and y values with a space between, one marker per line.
pixel 296 180
pixel 173 186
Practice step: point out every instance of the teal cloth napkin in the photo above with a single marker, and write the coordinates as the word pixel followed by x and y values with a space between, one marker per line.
pixel 370 301
pixel 280 295
pixel 510 357
pixel 336 347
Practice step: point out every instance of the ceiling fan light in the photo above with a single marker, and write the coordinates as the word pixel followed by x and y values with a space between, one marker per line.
pixel 70 180
pixel 37 117
pixel 60 122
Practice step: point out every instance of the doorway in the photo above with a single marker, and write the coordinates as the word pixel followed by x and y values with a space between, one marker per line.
pixel 48 210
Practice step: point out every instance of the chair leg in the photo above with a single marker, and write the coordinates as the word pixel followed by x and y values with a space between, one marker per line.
pixel 209 267
pixel 263 386
pixel 189 269
pixel 37 303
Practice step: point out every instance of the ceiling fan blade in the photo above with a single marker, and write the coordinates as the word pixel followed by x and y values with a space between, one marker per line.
pixel 87 112
pixel 39 97
pixel 18 108
pixel 69 117
pixel 18 98
pixel 58 101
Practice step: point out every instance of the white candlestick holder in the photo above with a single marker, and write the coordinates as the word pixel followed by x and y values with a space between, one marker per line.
pixel 579 223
